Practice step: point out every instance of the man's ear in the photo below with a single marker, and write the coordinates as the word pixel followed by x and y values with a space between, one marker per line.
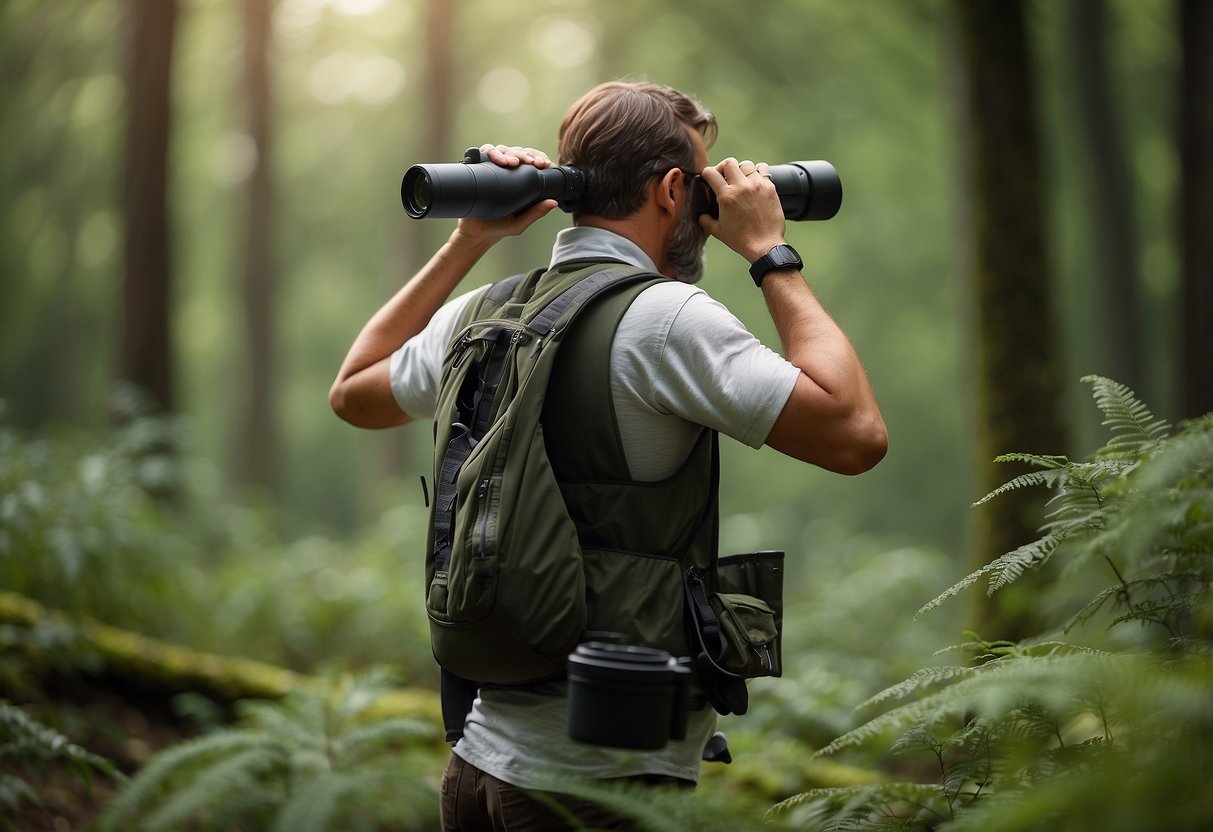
pixel 667 189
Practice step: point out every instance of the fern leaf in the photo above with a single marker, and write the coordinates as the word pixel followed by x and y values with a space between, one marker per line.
pixel 296 725
pixel 313 803
pixel 365 741
pixel 211 788
pixel 920 679
pixel 873 796
pixel 1134 428
pixel 1048 478
pixel 1010 567
pixel 955 589
pixel 1004 570
pixel 139 791
pixel 992 689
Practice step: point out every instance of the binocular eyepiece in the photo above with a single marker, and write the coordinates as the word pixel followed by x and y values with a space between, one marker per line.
pixel 479 188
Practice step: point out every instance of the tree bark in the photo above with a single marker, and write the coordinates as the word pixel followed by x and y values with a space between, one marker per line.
pixel 417 239
pixel 1018 394
pixel 1196 206
pixel 1113 239
pixel 257 426
pixel 145 354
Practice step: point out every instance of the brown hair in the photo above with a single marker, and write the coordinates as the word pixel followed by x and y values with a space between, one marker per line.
pixel 622 134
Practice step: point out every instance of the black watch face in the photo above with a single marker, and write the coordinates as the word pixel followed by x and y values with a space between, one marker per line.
pixel 784 256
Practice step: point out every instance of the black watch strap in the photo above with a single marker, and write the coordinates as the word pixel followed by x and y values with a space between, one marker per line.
pixel 781 256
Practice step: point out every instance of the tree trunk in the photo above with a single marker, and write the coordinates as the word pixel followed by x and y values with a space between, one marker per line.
pixel 1113 238
pixel 145 355
pixel 417 239
pixel 1018 396
pixel 257 427
pixel 1196 206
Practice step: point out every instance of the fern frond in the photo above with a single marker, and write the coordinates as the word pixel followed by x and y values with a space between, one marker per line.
pixel 1003 571
pixel 313 802
pixel 296 725
pixel 955 589
pixel 919 680
pixel 211 788
pixel 1134 428
pixel 1008 568
pixel 990 690
pixel 143 786
pixel 1050 478
pixel 365 741
pixel 874 796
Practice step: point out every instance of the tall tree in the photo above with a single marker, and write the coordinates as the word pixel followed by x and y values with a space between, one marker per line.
pixel 416 238
pixel 1107 181
pixel 145 353
pixel 257 428
pixel 1196 206
pixel 1018 393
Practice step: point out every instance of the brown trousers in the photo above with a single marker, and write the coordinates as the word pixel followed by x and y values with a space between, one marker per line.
pixel 475 801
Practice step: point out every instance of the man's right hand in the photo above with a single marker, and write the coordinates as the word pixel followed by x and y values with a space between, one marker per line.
pixel 476 234
pixel 362 392
pixel 751 218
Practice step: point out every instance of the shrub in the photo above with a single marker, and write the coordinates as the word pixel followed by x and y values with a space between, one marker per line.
pixel 1052 733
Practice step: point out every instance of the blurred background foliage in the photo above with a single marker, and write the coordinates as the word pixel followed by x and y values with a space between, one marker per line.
pixel 867 85
pixel 160 523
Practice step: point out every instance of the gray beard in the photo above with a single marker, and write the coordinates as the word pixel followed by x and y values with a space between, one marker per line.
pixel 684 252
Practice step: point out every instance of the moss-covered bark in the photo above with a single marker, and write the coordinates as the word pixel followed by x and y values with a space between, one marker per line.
pixel 155 667
pixel 1018 363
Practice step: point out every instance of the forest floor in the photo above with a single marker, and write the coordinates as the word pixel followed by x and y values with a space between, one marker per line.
pixel 123 728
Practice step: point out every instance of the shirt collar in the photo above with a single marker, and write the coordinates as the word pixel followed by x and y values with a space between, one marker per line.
pixel 583 242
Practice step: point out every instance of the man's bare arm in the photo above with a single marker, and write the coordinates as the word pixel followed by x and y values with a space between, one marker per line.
pixel 831 418
pixel 362 392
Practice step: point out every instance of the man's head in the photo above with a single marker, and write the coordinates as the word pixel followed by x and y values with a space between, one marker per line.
pixel 622 134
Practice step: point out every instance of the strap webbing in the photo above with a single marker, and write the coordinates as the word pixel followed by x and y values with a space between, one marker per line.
pixel 580 295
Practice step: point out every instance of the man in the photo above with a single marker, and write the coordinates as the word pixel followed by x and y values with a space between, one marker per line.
pixel 678 362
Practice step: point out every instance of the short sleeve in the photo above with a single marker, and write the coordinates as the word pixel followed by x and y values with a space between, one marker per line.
pixel 416 368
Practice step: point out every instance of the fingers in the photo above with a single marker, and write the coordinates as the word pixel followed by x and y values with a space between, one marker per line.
pixel 535 212
pixel 511 157
pixel 737 173
pixel 750 212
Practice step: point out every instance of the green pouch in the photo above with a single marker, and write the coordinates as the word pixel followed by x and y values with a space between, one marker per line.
pixel 758 575
pixel 749 635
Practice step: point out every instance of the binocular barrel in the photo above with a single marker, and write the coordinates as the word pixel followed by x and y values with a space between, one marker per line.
pixel 476 187
pixel 807 191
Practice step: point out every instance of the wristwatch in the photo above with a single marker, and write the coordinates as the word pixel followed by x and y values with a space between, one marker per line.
pixel 781 256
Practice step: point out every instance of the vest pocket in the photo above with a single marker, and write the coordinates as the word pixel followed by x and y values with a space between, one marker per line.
pixel 748 634
pixel 436 598
pixel 636 595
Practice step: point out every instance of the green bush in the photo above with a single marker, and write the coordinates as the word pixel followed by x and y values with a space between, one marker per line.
pixel 317 760
pixel 129 528
pixel 27 749
pixel 1054 733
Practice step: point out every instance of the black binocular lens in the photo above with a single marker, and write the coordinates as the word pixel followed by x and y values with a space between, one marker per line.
pixel 419 194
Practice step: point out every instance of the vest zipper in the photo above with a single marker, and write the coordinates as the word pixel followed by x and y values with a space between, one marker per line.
pixel 482 494
pixel 461 349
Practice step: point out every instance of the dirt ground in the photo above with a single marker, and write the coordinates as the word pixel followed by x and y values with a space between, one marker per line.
pixel 122 728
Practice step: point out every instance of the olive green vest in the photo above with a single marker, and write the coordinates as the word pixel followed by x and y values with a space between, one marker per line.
pixel 637 538
pixel 538 535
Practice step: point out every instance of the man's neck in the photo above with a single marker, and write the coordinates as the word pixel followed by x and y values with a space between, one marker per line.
pixel 638 228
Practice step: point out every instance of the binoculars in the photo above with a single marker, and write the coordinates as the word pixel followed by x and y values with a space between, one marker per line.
pixel 477 187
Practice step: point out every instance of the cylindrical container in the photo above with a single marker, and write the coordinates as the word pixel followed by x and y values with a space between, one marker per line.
pixel 626 697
